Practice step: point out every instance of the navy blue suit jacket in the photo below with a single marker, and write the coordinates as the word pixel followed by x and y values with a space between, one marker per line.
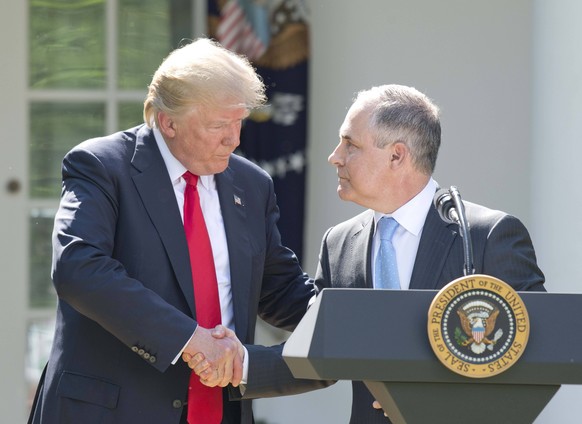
pixel 122 273
pixel 501 247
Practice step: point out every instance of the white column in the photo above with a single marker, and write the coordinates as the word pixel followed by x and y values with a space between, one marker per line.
pixel 556 169
pixel 13 196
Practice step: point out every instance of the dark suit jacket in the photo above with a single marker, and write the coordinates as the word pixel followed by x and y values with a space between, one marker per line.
pixel 122 273
pixel 501 247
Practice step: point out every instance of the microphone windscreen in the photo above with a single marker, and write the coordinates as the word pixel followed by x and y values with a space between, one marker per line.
pixel 444 204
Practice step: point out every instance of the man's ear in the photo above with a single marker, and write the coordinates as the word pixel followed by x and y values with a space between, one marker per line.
pixel 167 124
pixel 398 154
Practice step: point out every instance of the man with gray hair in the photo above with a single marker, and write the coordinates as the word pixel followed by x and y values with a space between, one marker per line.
pixel 385 159
pixel 162 234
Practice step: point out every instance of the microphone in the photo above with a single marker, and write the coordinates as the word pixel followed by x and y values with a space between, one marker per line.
pixel 444 204
pixel 450 207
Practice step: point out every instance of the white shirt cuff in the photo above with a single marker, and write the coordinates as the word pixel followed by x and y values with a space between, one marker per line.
pixel 245 367
pixel 182 350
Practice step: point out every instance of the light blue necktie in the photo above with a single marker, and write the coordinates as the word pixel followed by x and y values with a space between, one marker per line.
pixel 386 271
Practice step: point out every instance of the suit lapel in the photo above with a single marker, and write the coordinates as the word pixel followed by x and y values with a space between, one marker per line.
pixel 361 241
pixel 157 194
pixel 433 250
pixel 232 200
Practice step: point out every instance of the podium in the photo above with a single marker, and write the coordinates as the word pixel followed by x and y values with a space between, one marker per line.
pixel 380 337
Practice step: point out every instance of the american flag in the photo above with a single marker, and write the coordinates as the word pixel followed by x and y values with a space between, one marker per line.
pixel 236 33
pixel 274 35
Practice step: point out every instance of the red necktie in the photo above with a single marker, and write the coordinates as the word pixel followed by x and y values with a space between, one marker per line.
pixel 204 403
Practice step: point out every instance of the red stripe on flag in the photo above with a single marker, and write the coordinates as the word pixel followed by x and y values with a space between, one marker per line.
pixel 235 33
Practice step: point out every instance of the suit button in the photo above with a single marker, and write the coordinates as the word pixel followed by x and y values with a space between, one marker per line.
pixel 140 352
pixel 146 356
pixel 153 359
pixel 134 349
pixel 177 403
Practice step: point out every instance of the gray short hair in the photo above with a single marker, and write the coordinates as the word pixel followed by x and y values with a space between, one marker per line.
pixel 404 114
pixel 202 73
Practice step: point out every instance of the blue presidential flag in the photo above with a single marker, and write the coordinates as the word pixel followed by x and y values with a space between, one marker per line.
pixel 273 34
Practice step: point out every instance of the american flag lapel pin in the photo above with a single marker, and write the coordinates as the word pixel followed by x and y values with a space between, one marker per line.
pixel 237 201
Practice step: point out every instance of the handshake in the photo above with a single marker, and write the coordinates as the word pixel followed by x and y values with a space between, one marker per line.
pixel 216 356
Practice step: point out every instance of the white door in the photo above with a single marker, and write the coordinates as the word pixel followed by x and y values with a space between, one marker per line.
pixel 71 70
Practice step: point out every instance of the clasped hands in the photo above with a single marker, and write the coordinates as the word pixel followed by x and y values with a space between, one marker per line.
pixel 216 356
pixel 222 361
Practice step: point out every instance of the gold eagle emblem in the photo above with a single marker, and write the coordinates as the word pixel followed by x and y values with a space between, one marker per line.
pixel 478 322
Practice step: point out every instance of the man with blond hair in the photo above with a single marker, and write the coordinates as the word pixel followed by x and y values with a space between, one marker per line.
pixel 161 234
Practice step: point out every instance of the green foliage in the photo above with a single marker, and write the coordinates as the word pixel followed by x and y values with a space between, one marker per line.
pixel 67 44
pixel 460 336
pixel 54 128
pixel 84 60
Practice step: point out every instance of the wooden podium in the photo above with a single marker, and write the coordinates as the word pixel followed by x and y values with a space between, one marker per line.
pixel 380 337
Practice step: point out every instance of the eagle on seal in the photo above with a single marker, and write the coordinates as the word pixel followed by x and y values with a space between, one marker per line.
pixel 478 326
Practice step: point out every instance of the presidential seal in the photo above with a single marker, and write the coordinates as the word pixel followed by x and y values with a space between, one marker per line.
pixel 478 326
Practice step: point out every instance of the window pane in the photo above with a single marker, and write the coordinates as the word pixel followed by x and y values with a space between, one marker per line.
pixel 67 44
pixel 55 128
pixel 144 40
pixel 148 31
pixel 39 337
pixel 130 115
pixel 41 291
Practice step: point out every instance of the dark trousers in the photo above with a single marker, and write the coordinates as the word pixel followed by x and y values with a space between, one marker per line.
pixel 362 410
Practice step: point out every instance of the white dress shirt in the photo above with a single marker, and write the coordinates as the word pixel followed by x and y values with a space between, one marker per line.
pixel 210 206
pixel 411 217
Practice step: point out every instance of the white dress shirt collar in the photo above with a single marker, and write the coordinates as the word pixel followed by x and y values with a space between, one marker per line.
pixel 411 215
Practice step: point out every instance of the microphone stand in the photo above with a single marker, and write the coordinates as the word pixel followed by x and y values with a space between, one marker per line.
pixel 465 233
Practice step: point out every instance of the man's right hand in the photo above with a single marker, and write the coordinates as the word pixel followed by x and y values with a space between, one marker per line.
pixel 216 356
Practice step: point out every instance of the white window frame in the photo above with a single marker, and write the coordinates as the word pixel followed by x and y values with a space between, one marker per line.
pixel 16 205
